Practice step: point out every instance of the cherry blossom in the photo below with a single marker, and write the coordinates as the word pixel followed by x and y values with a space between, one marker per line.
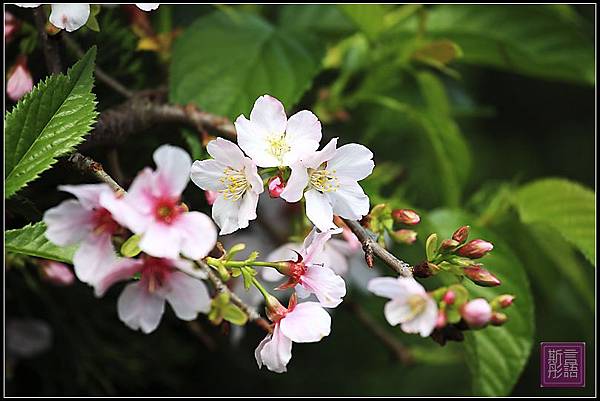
pixel 56 273
pixel 410 304
pixel 477 312
pixel 153 210
pixel 86 222
pixel 235 179
pixel 142 303
pixel 19 81
pixel 11 26
pixel 312 272
pixel 330 177
pixel 271 139
pixel 306 322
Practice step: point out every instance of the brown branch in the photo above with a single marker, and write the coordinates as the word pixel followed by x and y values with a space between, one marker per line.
pixel 371 246
pixel 49 45
pixel 401 352
pixel 87 165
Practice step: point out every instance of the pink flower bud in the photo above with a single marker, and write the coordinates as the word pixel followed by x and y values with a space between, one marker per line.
pixel 276 186
pixel 293 269
pixel 406 216
pixel 441 320
pixel 475 249
pixel 449 244
pixel 505 300
pixel 449 297
pixel 481 276
pixel 276 311
pixel 211 197
pixel 19 80
pixel 498 318
pixel 56 273
pixel 477 313
pixel 461 234
pixel 11 26
pixel 405 236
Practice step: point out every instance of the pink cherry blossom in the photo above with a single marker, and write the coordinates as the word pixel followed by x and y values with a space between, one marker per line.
pixel 85 222
pixel 308 276
pixel 11 26
pixel 56 273
pixel 271 139
pixel 328 180
pixel 153 210
pixel 410 304
pixel 19 81
pixel 306 322
pixel 477 312
pixel 142 303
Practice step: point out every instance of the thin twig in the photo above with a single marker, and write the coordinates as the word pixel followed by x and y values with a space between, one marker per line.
pixel 88 165
pixel 49 45
pixel 370 245
pixel 99 72
pixel 401 352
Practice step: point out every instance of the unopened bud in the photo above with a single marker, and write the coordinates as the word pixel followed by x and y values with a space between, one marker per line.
pixel 406 216
pixel 274 309
pixel 441 319
pixel 461 234
pixel 498 318
pixel 56 273
pixel 11 26
pixel 293 269
pixel 481 276
pixel 425 269
pixel 404 236
pixel 476 313
pixel 504 301
pixel 449 297
pixel 276 186
pixel 448 244
pixel 20 81
pixel 475 249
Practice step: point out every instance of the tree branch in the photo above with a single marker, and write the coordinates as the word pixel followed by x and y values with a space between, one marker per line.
pixel 49 45
pixel 87 165
pixel 371 247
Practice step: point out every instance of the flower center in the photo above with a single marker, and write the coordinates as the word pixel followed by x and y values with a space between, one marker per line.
pixel 235 183
pixel 277 146
pixel 167 210
pixel 103 222
pixel 324 180
pixel 155 273
pixel 416 304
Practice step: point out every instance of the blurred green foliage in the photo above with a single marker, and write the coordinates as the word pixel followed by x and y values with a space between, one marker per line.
pixel 468 110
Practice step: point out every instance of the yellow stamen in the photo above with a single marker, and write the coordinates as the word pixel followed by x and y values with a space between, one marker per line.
pixel 235 184
pixel 324 180
pixel 278 146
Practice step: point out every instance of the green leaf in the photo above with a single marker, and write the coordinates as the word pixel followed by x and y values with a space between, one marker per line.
pixel 223 62
pixel 48 122
pixel 431 246
pixel 31 240
pixel 567 207
pixel 535 40
pixel 369 18
pixel 131 247
pixel 234 315
pixel 496 355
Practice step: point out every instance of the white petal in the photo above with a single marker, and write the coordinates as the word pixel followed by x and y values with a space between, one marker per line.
pixel 226 152
pixel 187 296
pixel 253 141
pixel 323 155
pixel 225 214
pixel 325 284
pixel 307 323
pixel 303 134
pixel 140 309
pixel 147 6
pixel 69 16
pixel 397 311
pixel 349 200
pixel 121 270
pixel 425 322
pixel 247 210
pixel 319 210
pixel 87 194
pixel 68 223
pixel 161 240
pixel 198 234
pixel 252 176
pixel 28 5
pixel 302 292
pixel 124 212
pixel 387 287
pixel 173 169
pixel 353 161
pixel 275 351
pixel 335 260
pixel 206 174
pixel 294 188
pixel 94 258
pixel 269 114
pixel 315 241
pixel 189 268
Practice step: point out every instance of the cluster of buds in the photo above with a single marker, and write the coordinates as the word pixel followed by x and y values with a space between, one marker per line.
pixel 395 223
pixel 456 255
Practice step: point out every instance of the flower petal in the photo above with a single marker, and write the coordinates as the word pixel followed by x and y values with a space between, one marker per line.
pixel 321 156
pixel 303 134
pixel 397 311
pixel 94 258
pixel 173 169
pixel 69 16
pixel 387 287
pixel 68 223
pixel 225 214
pixel 253 141
pixel 353 161
pixel 87 194
pixel 275 351
pixel 161 240
pixel 123 269
pixel 315 241
pixel 294 188
pixel 425 322
pixel 308 322
pixel 207 173
pixel 140 309
pixel 247 210
pixel 319 210
pixel 198 234
pixel 226 152
pixel 147 6
pixel 349 200
pixel 325 284
pixel 269 114
pixel 187 296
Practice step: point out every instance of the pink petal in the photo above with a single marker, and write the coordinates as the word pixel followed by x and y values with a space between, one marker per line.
pixel 198 233
pixel 19 83
pixel 57 273
pixel 140 309
pixel 325 284
pixel 121 270
pixel 161 240
pixel 87 194
pixel 308 322
pixel 68 223
pixel 187 296
pixel 94 258
pixel 275 351
pixel 70 16
pixel 173 169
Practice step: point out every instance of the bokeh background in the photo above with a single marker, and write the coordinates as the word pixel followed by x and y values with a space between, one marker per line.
pixel 463 106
